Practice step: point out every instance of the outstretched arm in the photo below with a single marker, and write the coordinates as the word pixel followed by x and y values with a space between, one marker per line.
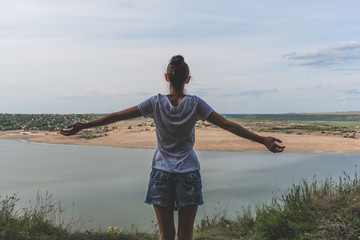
pixel 269 142
pixel 129 113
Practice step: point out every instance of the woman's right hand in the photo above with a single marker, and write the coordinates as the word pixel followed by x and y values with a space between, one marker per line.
pixel 72 129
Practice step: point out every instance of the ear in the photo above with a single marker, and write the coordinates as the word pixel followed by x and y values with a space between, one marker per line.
pixel 167 77
pixel 187 80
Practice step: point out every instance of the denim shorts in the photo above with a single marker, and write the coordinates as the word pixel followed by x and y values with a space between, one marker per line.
pixel 174 190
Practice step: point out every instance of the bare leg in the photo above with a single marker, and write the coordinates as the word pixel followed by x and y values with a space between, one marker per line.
pixel 165 218
pixel 186 222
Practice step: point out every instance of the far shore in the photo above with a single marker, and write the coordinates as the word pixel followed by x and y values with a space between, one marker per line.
pixel 211 138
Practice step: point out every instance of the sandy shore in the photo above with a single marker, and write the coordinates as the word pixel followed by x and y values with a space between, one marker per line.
pixel 207 139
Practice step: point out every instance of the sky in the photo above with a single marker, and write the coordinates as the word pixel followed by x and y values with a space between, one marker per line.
pixel 248 56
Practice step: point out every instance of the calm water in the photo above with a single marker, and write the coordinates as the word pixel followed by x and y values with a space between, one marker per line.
pixel 108 185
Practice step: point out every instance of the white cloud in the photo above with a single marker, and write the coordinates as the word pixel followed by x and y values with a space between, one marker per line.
pixel 343 46
pixel 254 93
pixel 337 54
pixel 352 91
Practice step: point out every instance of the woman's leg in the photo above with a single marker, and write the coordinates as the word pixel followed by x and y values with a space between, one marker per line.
pixel 186 222
pixel 165 218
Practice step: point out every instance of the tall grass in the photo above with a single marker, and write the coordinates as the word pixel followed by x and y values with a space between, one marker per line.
pixel 43 219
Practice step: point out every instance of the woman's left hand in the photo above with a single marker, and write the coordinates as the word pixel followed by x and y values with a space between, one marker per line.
pixel 270 143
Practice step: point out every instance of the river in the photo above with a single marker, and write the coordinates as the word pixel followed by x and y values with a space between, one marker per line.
pixel 102 186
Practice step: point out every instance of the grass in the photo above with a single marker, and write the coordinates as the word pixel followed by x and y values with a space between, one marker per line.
pixel 316 210
pixel 43 222
pixel 31 223
pixel 327 210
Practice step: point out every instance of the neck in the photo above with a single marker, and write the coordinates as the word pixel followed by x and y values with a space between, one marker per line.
pixel 173 91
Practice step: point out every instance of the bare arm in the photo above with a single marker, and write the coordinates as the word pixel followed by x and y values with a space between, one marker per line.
pixel 129 113
pixel 269 142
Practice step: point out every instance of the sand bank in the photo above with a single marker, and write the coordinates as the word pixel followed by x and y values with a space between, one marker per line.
pixel 207 139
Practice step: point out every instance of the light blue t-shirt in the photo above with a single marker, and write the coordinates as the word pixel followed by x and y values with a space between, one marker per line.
pixel 175 131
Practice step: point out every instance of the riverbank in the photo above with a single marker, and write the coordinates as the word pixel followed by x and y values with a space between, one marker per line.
pixel 140 133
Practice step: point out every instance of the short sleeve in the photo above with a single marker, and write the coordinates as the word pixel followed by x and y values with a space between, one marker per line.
pixel 204 110
pixel 146 107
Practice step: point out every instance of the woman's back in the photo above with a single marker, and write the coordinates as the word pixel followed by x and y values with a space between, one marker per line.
pixel 175 130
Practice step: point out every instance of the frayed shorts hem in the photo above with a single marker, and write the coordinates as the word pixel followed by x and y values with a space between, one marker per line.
pixel 175 208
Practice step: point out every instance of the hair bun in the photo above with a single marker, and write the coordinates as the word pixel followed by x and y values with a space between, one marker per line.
pixel 177 60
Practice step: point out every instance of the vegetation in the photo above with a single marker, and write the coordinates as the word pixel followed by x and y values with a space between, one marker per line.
pixel 334 117
pixel 317 211
pixel 344 129
pixel 326 210
pixel 54 122
pixel 308 123
pixel 43 222
pixel 45 122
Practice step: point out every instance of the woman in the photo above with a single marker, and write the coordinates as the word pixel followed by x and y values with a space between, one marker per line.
pixel 175 181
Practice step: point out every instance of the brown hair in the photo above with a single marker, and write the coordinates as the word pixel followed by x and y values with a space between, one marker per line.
pixel 177 71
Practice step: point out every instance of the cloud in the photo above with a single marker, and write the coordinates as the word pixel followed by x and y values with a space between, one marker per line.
pixel 255 93
pixel 318 88
pixel 125 4
pixel 342 46
pixel 344 99
pixel 353 91
pixel 346 69
pixel 337 54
